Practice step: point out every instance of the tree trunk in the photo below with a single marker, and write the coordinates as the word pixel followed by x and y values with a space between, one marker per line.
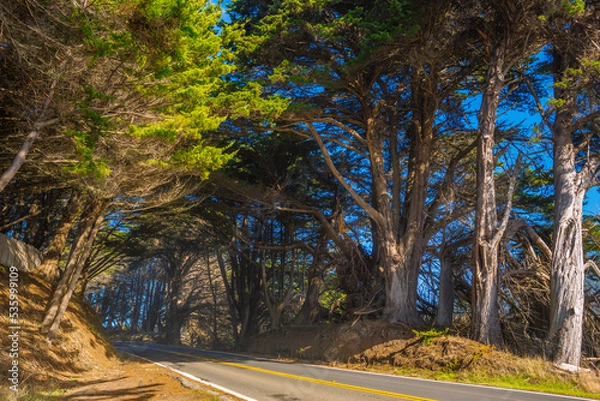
pixel 310 310
pixel 83 231
pixel 409 235
pixel 233 315
pixel 77 261
pixel 173 317
pixel 173 322
pixel 215 305
pixel 155 307
pixel 48 270
pixel 486 322
pixel 445 311
pixel 401 289
pixel 19 159
pixel 568 273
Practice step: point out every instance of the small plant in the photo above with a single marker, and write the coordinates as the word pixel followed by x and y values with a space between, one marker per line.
pixel 334 301
pixel 453 365
pixel 430 334
pixel 300 352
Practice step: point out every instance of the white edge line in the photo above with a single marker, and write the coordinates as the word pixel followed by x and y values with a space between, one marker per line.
pixel 192 377
pixel 539 393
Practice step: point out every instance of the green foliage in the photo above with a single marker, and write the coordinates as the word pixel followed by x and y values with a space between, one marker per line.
pixel 573 7
pixel 202 159
pixel 350 37
pixel 558 103
pixel 170 64
pixel 430 334
pixel 333 300
pixel 593 66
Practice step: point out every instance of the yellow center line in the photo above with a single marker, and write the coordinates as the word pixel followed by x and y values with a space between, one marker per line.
pixel 302 378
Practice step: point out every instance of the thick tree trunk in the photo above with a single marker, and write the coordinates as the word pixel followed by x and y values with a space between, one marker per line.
pixel 77 261
pixel 567 282
pixel 48 270
pixel 409 235
pixel 401 289
pixel 400 296
pixel 400 277
pixel 173 322
pixel 486 322
pixel 173 316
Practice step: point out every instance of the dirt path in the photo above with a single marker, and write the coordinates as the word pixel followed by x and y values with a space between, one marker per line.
pixel 135 380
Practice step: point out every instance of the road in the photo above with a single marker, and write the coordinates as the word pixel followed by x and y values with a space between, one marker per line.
pixel 265 379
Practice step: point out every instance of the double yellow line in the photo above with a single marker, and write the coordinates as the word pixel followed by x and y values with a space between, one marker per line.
pixel 301 378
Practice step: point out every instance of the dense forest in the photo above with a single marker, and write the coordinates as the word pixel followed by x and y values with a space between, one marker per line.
pixel 204 172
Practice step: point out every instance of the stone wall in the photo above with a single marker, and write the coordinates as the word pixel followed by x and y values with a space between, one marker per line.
pixel 18 254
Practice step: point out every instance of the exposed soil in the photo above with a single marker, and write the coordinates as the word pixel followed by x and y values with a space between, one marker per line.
pixel 80 364
pixel 135 380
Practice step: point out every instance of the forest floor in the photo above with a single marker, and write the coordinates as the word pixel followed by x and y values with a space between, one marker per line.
pixel 80 364
pixel 378 346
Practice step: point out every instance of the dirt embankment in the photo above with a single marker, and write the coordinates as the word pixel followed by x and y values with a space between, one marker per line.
pixel 79 346
pixel 391 348
pixel 79 364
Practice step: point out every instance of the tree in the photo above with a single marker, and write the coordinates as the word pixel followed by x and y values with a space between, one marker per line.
pixel 576 161
pixel 142 113
pixel 368 85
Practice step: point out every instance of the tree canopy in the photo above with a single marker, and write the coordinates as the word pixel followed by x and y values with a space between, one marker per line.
pixel 211 171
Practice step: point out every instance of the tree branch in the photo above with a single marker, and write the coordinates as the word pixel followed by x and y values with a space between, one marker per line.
pixel 373 214
pixel 509 201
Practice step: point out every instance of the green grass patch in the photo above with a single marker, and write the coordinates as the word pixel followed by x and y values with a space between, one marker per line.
pixel 40 395
pixel 553 385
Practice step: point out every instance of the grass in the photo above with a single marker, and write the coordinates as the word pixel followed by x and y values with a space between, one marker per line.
pixel 37 395
pixel 530 382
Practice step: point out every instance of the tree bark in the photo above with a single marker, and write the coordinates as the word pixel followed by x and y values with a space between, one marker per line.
pixel 409 236
pixel 445 312
pixel 310 310
pixel 400 278
pixel 567 280
pixel 215 301
pixel 77 260
pixel 48 270
pixel 18 161
pixel 486 321
pixel 173 319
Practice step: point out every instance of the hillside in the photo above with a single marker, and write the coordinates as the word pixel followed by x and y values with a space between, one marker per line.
pixel 80 364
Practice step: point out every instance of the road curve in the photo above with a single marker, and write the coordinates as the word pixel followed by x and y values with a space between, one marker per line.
pixel 265 379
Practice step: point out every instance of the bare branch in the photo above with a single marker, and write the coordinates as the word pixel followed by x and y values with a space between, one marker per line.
pixel 509 201
pixel 374 214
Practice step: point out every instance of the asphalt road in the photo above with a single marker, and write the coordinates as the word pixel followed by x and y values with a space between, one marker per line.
pixel 265 379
